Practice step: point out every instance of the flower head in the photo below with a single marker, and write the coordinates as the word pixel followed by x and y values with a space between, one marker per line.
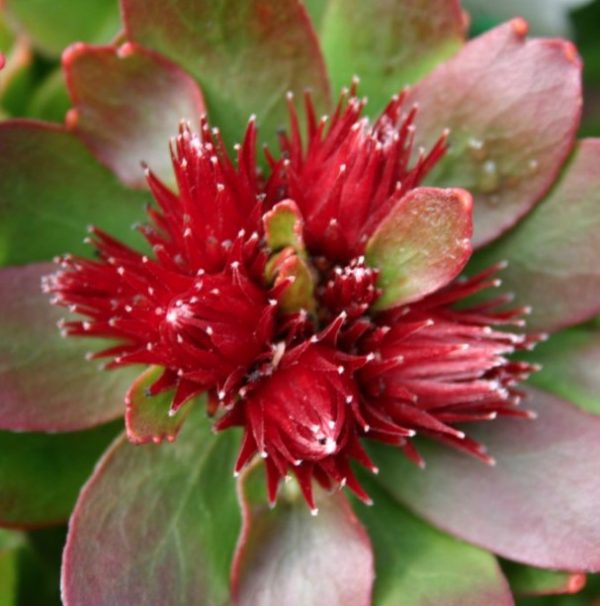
pixel 280 296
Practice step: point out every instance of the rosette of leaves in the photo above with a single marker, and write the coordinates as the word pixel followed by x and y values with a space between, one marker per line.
pixel 159 522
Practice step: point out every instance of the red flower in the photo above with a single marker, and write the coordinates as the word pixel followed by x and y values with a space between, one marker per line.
pixel 316 306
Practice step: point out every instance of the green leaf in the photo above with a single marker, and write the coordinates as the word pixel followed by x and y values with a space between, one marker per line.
pixel 284 226
pixel 246 55
pixel 553 254
pixel 128 103
pixel 54 24
pixel 156 524
pixel 41 474
pixel 51 188
pixel 10 544
pixel 147 418
pixel 512 106
pixel 50 100
pixel 388 43
pixel 421 245
pixel 316 10
pixel 419 566
pixel 47 384
pixel 570 362
pixel 287 556
pixel 538 505
pixel 527 580
pixel 39 567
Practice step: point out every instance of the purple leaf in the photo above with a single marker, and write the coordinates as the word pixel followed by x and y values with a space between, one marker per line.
pixel 47 385
pixel 553 254
pixel 513 106
pixel 287 556
pixel 538 505
pixel 128 102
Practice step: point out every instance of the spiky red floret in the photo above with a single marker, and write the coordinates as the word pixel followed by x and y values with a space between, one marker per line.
pixel 305 383
pixel 350 172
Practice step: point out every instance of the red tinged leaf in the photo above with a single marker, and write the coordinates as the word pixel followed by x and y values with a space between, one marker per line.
pixel 513 106
pixel 419 566
pixel 570 363
pixel 287 556
pixel 553 254
pixel 155 524
pixel 388 44
pixel 273 42
pixel 127 103
pixel 538 505
pixel 41 474
pixel 421 245
pixel 51 188
pixel 47 385
pixel 147 418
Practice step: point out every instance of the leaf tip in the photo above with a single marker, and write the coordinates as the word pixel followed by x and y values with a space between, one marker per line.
pixel 520 27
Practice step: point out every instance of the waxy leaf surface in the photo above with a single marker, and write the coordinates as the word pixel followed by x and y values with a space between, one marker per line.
pixel 51 188
pixel 246 55
pixel 421 245
pixel 288 556
pixel 570 363
pixel 512 107
pixel 47 384
pixel 41 474
pixel 147 418
pixel 156 524
pixel 388 43
pixel 54 24
pixel 128 103
pixel 418 565
pixel 538 505
pixel 553 254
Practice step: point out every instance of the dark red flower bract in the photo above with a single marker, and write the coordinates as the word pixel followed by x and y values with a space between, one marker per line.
pixel 258 291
